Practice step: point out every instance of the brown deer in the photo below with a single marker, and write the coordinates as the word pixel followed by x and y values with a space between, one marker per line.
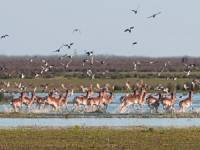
pixel 82 100
pixel 153 102
pixel 95 101
pixel 52 101
pixel 17 102
pixel 28 101
pixel 184 104
pixel 63 99
pixel 132 99
pixel 168 102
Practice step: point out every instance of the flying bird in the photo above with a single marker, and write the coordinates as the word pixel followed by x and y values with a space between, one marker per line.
pixel 4 36
pixel 58 50
pixel 77 30
pixel 134 43
pixel 129 29
pixel 68 45
pixel 135 10
pixel 154 15
pixel 89 53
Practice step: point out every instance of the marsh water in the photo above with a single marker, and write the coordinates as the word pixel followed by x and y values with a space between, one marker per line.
pixel 112 108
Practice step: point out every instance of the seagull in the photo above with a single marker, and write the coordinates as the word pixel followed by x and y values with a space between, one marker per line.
pixel 154 15
pixel 129 29
pixel 22 76
pixel 4 36
pixel 134 43
pixel 68 45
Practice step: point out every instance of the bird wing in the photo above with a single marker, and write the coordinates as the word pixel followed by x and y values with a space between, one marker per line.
pixel 158 13
pixel 126 30
pixel 150 16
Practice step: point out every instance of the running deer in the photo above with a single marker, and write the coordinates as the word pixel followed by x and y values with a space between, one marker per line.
pixel 184 104
pixel 132 99
pixel 52 101
pixel 168 102
pixel 17 102
pixel 153 102
pixel 82 100
pixel 28 101
pixel 95 101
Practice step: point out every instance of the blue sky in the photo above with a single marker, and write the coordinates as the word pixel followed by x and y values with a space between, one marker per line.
pixel 37 27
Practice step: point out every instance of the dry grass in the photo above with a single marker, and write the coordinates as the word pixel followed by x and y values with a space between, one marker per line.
pixel 100 138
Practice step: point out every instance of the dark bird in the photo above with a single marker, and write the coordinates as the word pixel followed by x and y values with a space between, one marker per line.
pixel 135 10
pixel 68 45
pixel 154 15
pixel 134 43
pixel 76 30
pixel 129 29
pixel 4 36
pixel 89 53
pixel 58 50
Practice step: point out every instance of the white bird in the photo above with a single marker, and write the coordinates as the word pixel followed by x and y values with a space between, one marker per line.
pixel 22 76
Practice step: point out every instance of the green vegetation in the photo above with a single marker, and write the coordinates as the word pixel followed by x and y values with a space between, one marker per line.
pixel 119 83
pixel 99 138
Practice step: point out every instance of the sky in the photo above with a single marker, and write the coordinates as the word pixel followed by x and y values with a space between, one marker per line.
pixel 38 27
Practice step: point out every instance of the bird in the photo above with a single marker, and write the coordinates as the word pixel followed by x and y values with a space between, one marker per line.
pixel 89 53
pixel 154 15
pixel 134 43
pixel 129 29
pixel 77 30
pixel 58 50
pixel 4 36
pixel 22 76
pixel 135 10
pixel 68 45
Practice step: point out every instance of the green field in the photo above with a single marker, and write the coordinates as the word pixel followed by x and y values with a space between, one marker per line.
pixel 99 138
pixel 74 83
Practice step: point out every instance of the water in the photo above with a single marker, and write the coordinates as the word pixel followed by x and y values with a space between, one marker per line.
pixel 112 108
pixel 105 122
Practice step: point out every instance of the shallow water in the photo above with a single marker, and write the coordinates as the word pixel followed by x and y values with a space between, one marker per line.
pixel 92 122
pixel 112 108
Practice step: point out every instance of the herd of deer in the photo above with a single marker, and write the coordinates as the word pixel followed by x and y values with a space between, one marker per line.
pixel 105 97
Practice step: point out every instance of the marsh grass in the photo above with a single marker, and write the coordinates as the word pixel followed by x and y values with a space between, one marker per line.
pixel 99 138
pixel 75 83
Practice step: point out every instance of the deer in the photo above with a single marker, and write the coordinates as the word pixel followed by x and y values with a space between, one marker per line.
pixel 52 101
pixel 132 99
pixel 17 102
pixel 28 101
pixel 185 103
pixel 82 100
pixel 168 102
pixel 95 101
pixel 153 102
